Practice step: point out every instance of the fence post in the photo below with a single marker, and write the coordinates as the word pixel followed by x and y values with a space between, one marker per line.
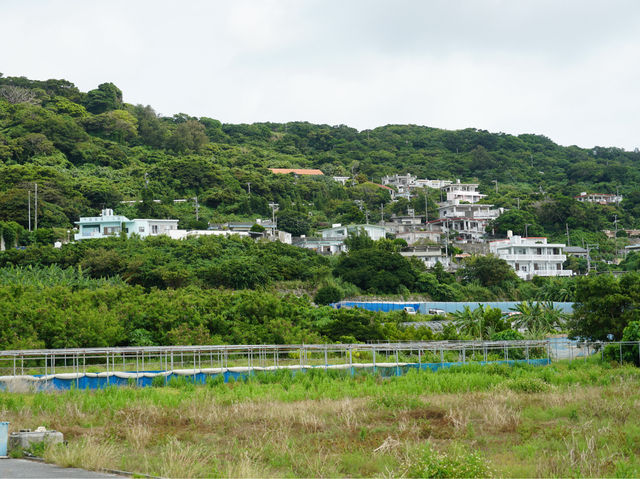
pixel 326 362
pixel 374 360
pixel 620 343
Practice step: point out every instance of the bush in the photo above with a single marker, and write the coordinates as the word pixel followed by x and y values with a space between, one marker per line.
pixel 461 463
pixel 507 335
pixel 327 295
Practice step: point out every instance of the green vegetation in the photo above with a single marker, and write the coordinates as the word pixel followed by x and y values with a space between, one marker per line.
pixel 92 150
pixel 563 420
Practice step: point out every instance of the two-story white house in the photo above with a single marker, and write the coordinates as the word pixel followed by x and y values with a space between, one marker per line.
pixel 456 209
pixel 108 224
pixel 531 256
pixel 467 192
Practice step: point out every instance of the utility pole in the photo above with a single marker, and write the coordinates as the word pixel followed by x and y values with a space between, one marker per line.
pixel 589 248
pixel 197 209
pixel 526 229
pixel 29 209
pixel 496 182
pixel 426 208
pixel 518 199
pixel 274 208
pixel 566 225
pixel 36 208
pixel 366 215
pixel 382 212
pixel 248 187
pixel 615 234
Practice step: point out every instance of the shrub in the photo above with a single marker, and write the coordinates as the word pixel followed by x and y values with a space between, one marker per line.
pixel 461 463
pixel 327 295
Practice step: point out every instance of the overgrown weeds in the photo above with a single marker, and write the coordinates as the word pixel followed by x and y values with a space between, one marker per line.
pixel 509 421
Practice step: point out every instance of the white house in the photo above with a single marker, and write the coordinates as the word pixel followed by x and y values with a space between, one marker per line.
pixel 600 198
pixel 467 192
pixel 332 239
pixel 429 254
pixel 338 231
pixel 456 209
pixel 108 224
pixel 467 230
pixel 531 256
pixel 435 184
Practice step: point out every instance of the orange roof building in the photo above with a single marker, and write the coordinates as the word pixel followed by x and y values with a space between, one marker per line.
pixel 295 171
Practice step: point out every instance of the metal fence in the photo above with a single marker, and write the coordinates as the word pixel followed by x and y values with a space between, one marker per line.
pixel 105 366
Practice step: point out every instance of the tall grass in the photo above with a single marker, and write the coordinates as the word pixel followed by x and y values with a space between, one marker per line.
pixel 564 420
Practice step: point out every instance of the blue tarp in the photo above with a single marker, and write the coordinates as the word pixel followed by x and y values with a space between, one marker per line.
pixel 446 306
pixel 85 382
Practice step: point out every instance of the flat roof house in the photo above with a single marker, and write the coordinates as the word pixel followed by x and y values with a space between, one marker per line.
pixel 107 225
pixel 531 256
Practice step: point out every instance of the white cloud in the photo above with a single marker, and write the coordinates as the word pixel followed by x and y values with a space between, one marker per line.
pixel 563 69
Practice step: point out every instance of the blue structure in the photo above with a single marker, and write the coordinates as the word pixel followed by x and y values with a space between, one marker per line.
pixel 446 306
pixel 149 378
pixel 4 437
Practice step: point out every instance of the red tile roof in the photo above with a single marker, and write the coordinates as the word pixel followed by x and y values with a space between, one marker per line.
pixel 297 171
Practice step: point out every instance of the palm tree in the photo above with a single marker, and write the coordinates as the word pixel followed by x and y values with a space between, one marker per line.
pixel 470 322
pixel 537 317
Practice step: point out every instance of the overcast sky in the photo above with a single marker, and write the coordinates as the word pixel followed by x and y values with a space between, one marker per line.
pixel 569 70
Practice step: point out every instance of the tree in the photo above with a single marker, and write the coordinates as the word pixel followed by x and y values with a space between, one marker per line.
pixel 293 222
pixel 105 98
pixel 378 270
pixel 605 305
pixel 480 323
pixel 536 317
pixel 488 270
pixel 16 94
pixel 188 136
pixel 327 295
pixel 517 221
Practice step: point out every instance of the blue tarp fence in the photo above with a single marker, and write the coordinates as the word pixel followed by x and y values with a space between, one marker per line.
pixel 446 306
pixel 146 379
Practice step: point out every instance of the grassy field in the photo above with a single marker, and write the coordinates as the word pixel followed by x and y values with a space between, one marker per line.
pixel 564 420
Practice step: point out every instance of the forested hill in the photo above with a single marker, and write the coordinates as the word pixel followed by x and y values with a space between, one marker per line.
pixel 88 150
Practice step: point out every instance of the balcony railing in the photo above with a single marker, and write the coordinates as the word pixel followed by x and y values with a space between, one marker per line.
pixel 544 258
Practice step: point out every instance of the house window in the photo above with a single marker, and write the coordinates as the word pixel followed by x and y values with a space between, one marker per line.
pixel 90 230
pixel 154 229
pixel 141 229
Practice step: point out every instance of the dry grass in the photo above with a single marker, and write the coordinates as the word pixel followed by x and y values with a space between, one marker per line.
pixel 565 431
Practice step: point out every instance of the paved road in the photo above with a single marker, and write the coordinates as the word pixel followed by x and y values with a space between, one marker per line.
pixel 22 468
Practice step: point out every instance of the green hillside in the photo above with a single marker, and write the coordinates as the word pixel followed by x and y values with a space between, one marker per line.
pixel 89 150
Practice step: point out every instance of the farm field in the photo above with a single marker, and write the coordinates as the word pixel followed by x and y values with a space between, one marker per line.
pixel 564 420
